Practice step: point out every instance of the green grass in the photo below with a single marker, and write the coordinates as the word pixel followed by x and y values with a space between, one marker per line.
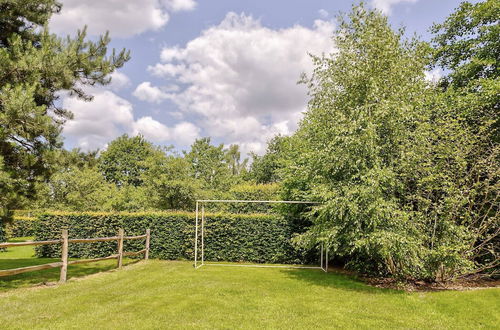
pixel 23 256
pixel 162 294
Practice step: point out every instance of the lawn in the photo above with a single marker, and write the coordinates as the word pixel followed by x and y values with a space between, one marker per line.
pixel 161 294
pixel 22 256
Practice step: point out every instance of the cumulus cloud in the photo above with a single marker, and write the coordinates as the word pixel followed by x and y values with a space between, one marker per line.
pixel 183 133
pixel 108 116
pixel 123 18
pixel 96 123
pixel 146 92
pixel 119 81
pixel 178 5
pixel 240 77
pixel 386 5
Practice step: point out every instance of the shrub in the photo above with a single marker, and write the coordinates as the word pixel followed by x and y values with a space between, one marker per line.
pixel 2 234
pixel 21 226
pixel 228 237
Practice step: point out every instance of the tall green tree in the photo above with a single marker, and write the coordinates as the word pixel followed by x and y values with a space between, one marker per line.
pixel 170 183
pixel 365 100
pixel 124 161
pixel 265 168
pixel 35 66
pixel 208 163
pixel 395 158
pixel 237 166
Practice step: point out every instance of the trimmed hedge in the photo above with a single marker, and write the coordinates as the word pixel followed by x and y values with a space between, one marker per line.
pixel 228 237
pixel 21 226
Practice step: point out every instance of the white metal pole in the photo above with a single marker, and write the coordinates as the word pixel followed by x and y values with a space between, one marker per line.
pixel 196 237
pixel 202 234
pixel 321 258
pixel 326 259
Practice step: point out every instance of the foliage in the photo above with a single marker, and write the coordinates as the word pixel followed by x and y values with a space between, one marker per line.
pixel 467 45
pixel 364 101
pixel 21 227
pixel 208 164
pixel 35 67
pixel 265 168
pixel 228 237
pixel 170 183
pixel 395 159
pixel 123 162
pixel 234 162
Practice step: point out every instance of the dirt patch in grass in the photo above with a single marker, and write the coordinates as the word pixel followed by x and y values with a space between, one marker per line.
pixel 411 286
pixel 470 283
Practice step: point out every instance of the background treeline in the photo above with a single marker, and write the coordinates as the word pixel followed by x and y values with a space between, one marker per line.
pixel 132 174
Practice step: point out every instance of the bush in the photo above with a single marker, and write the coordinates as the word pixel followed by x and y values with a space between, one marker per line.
pixel 21 226
pixel 228 237
pixel 2 234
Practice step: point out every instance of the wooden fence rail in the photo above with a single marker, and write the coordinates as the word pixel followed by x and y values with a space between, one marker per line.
pixel 65 241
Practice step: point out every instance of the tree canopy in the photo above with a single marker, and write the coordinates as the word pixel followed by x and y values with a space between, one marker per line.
pixel 35 67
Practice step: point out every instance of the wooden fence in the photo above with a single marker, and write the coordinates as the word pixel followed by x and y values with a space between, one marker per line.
pixel 65 240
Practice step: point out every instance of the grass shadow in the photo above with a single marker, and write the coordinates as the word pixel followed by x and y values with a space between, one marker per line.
pixel 48 276
pixel 24 256
pixel 335 279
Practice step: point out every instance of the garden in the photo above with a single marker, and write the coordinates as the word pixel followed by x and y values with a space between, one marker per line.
pixel 387 191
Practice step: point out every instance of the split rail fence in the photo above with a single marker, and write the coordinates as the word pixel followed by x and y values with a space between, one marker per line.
pixel 65 241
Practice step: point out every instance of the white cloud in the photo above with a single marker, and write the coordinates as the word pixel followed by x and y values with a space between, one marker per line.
pixel 108 116
pixel 119 81
pixel 323 13
pixel 240 78
pixel 96 123
pixel 386 5
pixel 123 18
pixel 146 92
pixel 178 5
pixel 183 133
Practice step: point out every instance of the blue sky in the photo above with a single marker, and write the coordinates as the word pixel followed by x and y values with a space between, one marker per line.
pixel 222 68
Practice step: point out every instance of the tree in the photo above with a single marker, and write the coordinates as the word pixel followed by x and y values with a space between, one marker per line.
pixel 395 160
pixel 233 159
pixel 169 182
pixel 123 162
pixel 80 189
pixel 208 163
pixel 265 169
pixel 365 100
pixel 35 66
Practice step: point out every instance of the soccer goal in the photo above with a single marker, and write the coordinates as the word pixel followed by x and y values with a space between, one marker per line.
pixel 199 237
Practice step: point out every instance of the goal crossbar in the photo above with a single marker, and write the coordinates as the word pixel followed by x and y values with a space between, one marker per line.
pixel 200 232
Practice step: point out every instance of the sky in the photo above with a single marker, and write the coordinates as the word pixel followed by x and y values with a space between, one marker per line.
pixel 220 68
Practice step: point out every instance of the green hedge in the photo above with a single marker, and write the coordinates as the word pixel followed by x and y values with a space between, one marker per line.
pixel 21 226
pixel 228 237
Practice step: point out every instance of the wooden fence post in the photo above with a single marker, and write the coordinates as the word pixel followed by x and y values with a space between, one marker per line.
pixel 64 256
pixel 120 247
pixel 148 238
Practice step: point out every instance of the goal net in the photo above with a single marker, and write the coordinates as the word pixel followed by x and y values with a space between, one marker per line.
pixel 199 238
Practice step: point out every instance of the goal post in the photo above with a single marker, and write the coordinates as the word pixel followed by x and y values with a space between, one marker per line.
pixel 199 258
